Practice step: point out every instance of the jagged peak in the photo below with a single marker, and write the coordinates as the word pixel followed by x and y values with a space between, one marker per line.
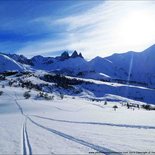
pixel 64 55
pixel 75 54
pixel 80 55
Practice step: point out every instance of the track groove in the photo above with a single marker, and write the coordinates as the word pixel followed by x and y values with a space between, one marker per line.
pixel 26 147
pixel 98 123
pixel 98 148
pixel 24 152
pixel 26 144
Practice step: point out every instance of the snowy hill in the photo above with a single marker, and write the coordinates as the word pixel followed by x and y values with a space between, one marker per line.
pixel 130 67
pixel 52 123
pixel 8 64
pixel 135 66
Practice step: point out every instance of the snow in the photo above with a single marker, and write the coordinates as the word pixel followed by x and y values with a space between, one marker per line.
pixel 71 126
pixel 81 122
pixel 104 75
pixel 126 66
pixel 69 64
pixel 8 64
pixel 97 88
pixel 140 64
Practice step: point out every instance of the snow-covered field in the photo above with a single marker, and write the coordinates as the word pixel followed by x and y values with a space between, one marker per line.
pixel 71 126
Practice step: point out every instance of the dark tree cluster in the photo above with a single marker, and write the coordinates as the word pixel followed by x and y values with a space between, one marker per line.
pixel 9 73
pixel 148 107
pixel 24 84
pixel 62 81
pixel 45 96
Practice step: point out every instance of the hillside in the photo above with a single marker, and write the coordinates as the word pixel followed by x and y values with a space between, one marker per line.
pixel 45 123
pixel 8 64
pixel 136 66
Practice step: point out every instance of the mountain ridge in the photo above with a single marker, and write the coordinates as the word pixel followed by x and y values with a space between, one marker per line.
pixel 129 66
pixel 8 64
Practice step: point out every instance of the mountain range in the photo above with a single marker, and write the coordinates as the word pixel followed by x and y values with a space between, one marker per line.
pixel 137 67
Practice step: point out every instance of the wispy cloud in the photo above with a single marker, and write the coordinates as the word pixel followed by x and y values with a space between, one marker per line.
pixel 93 32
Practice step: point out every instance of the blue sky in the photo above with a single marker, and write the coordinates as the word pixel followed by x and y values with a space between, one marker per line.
pixel 47 27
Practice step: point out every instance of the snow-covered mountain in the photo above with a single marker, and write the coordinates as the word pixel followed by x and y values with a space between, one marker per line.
pixel 8 64
pixel 20 58
pixel 63 62
pixel 46 113
pixel 134 66
pixel 130 66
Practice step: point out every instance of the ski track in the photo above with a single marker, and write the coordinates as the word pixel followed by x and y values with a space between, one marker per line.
pixel 24 152
pixel 66 136
pixel 98 148
pixel 98 123
pixel 26 149
pixel 25 140
pixel 26 144
pixel 97 105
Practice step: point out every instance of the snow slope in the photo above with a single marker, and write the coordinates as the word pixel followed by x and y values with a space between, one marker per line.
pixel 100 89
pixel 136 66
pixel 71 126
pixel 85 88
pixel 8 64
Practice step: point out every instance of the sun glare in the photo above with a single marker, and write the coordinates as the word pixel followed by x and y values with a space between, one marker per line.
pixel 136 28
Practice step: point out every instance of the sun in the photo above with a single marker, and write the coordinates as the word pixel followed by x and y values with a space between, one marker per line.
pixel 137 27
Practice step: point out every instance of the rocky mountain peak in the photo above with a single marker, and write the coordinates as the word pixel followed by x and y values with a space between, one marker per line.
pixel 80 55
pixel 75 55
pixel 64 55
